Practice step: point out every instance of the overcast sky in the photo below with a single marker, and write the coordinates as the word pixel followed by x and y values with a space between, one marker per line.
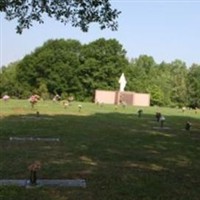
pixel 165 30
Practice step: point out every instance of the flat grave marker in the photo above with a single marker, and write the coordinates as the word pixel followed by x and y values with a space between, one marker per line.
pixel 161 128
pixel 44 183
pixel 34 139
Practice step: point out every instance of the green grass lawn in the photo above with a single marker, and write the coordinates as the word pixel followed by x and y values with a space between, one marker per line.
pixel 121 156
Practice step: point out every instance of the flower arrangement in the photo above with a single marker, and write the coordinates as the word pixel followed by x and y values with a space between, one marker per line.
pixel 33 168
pixel 5 97
pixel 34 99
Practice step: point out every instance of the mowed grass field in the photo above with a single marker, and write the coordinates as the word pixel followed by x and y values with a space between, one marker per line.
pixel 121 156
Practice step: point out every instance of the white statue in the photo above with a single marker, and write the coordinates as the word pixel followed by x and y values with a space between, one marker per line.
pixel 122 82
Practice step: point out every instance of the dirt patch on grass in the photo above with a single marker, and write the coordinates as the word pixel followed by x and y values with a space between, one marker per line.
pixel 19 110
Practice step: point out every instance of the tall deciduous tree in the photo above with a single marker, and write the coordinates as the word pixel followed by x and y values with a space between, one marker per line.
pixel 163 79
pixel 8 82
pixel 139 71
pixel 136 76
pixel 178 82
pixel 193 82
pixel 102 63
pixel 53 65
pixel 79 13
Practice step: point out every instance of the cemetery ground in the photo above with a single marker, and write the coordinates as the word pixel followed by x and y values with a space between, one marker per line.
pixel 120 156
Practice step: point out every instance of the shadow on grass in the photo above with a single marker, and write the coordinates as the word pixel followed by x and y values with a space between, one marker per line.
pixel 120 155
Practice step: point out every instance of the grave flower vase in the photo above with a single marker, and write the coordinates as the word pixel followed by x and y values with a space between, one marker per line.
pixel 33 168
pixel 33 178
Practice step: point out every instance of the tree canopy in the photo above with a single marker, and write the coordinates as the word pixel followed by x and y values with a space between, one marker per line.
pixel 79 13
pixel 66 66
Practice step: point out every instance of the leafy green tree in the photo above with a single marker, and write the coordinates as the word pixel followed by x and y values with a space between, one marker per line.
pixel 8 82
pixel 79 13
pixel 136 77
pixel 139 73
pixel 43 91
pixel 54 65
pixel 157 95
pixel 166 82
pixel 26 75
pixel 102 63
pixel 162 78
pixel 193 86
pixel 178 71
pixel 146 62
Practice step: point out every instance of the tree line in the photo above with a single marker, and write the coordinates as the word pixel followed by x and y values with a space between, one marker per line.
pixel 69 68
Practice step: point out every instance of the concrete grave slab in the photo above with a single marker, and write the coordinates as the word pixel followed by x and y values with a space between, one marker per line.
pixel 9 182
pixel 44 183
pixel 161 128
pixel 141 130
pixel 34 139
